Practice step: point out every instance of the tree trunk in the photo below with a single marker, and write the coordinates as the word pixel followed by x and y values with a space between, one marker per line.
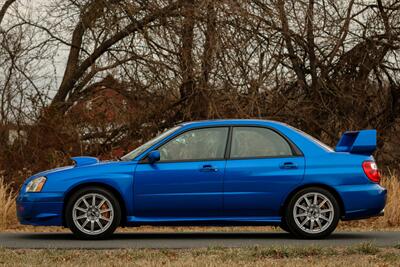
pixel 188 86
pixel 207 60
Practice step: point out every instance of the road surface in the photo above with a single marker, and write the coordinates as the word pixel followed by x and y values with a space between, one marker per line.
pixel 192 240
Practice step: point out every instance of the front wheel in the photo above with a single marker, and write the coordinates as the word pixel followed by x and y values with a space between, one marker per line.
pixel 284 226
pixel 312 213
pixel 93 213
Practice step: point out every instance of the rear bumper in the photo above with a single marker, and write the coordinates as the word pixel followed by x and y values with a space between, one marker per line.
pixel 382 213
pixel 40 209
pixel 362 201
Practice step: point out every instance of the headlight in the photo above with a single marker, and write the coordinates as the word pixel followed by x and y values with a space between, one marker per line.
pixel 36 184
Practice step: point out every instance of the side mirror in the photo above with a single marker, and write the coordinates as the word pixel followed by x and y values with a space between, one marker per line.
pixel 153 156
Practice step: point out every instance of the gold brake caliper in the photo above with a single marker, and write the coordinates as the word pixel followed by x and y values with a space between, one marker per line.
pixel 105 214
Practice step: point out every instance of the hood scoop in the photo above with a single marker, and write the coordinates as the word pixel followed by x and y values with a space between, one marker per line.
pixel 84 161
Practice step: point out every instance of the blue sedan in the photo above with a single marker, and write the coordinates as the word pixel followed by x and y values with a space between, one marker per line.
pixel 221 172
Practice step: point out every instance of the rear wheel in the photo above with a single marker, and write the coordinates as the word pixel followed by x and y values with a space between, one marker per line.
pixel 312 213
pixel 93 213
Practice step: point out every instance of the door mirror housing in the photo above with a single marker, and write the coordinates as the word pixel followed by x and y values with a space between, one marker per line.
pixel 153 156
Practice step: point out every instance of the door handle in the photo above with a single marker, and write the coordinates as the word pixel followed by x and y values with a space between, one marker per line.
pixel 208 168
pixel 288 165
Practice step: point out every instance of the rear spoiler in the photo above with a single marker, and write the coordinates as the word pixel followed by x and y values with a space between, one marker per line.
pixel 357 142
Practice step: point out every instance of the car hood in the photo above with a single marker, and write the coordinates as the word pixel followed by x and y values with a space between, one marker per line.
pixel 79 163
pixel 49 172
pixel 85 166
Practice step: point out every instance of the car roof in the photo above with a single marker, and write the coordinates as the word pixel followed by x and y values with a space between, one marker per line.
pixel 302 140
pixel 231 122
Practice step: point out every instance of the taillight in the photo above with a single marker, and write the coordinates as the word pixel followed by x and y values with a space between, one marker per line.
pixel 371 170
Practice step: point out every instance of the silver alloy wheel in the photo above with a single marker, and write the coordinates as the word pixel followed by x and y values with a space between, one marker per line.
pixel 313 212
pixel 93 214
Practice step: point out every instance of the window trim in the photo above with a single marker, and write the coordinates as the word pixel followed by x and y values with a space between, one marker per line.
pixel 295 149
pixel 296 152
pixel 145 159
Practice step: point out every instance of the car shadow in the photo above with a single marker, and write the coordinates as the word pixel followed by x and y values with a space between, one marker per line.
pixel 195 236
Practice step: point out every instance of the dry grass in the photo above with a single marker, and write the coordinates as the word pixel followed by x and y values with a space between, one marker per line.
pixel 8 221
pixel 7 206
pixel 392 212
pixel 360 255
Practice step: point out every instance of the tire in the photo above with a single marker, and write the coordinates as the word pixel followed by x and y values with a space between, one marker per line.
pixel 88 221
pixel 320 216
pixel 284 226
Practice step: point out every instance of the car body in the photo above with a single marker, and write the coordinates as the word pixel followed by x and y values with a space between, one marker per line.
pixel 214 172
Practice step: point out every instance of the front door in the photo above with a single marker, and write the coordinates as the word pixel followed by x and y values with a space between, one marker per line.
pixel 187 182
pixel 261 169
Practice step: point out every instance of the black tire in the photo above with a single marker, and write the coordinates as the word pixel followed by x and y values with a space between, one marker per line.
pixel 115 222
pixel 284 226
pixel 294 228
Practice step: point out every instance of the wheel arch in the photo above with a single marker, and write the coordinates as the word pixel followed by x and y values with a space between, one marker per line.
pixel 324 186
pixel 108 187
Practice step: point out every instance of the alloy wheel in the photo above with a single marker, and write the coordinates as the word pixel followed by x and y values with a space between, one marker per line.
pixel 313 212
pixel 93 214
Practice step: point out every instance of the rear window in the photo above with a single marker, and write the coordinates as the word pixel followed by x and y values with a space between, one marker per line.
pixel 314 140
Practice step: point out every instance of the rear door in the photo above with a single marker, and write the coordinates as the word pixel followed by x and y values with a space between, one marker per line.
pixel 263 166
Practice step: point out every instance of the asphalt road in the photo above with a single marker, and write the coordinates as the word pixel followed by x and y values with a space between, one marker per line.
pixel 192 240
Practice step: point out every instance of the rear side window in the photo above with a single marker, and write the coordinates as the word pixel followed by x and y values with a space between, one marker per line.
pixel 253 142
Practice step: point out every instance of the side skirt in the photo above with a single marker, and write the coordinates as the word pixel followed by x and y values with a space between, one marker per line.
pixel 212 221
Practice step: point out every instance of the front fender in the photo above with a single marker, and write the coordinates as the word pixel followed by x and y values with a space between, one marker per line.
pixel 115 175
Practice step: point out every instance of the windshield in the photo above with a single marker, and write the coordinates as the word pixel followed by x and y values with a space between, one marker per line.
pixel 133 154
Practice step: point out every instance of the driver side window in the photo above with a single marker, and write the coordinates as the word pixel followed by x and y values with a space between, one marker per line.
pixel 199 144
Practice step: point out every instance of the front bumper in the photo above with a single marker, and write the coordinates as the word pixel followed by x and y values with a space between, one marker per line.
pixel 362 201
pixel 40 208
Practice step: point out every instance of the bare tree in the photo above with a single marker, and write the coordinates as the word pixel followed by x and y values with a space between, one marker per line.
pixel 134 68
